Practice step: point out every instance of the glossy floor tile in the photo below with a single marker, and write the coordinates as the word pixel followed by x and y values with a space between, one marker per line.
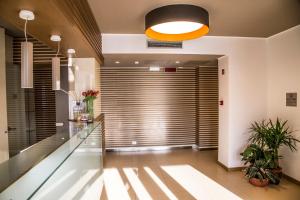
pixel 182 174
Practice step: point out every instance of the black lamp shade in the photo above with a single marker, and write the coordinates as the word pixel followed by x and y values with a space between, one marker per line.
pixel 177 13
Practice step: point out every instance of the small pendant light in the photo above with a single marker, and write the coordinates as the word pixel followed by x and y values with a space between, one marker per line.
pixel 71 70
pixel 26 53
pixel 71 53
pixel 56 64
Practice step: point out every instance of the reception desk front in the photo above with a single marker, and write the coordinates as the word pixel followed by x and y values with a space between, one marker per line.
pixel 61 160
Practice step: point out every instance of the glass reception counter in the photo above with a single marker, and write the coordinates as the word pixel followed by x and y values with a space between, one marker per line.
pixel 56 165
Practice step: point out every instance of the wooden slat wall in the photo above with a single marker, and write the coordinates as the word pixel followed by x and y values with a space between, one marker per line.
pixel 97 102
pixel 208 110
pixel 44 96
pixel 152 108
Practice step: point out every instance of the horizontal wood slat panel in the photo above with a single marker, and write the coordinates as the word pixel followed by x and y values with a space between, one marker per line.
pixel 152 108
pixel 208 110
pixel 45 110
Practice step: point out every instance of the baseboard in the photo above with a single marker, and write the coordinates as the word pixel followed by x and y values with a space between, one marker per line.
pixel 230 169
pixel 207 148
pixel 149 148
pixel 291 179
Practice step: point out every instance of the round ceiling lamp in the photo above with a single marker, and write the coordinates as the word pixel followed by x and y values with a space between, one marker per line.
pixel 177 23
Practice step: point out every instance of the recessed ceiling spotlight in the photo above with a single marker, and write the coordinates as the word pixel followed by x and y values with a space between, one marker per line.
pixel 117 62
pixel 136 62
pixel 177 22
pixel 177 62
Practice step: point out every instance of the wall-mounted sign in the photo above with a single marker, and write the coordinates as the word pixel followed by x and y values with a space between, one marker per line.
pixel 291 99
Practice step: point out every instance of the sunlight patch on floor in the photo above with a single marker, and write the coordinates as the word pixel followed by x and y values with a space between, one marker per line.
pixel 114 186
pixel 197 184
pixel 136 184
pixel 161 185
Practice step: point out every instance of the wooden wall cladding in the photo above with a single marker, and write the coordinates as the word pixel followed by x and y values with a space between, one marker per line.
pixel 44 98
pixel 151 108
pixel 53 17
pixel 208 108
pixel 160 108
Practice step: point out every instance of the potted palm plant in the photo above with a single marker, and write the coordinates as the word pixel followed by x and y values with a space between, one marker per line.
pixel 273 135
pixel 259 174
pixel 259 166
pixel 265 140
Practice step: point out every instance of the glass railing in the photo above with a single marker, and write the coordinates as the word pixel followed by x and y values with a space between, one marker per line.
pixel 25 175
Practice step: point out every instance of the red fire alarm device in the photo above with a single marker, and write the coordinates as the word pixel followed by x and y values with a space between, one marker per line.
pixel 170 69
pixel 221 103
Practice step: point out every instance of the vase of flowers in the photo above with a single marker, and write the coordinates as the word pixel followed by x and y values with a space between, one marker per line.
pixel 89 97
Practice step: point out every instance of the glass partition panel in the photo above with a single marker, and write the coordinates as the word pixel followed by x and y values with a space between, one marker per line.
pixel 22 175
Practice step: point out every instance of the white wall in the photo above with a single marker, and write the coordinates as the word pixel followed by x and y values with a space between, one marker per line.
pixel 283 77
pixel 223 111
pixel 3 108
pixel 87 77
pixel 247 82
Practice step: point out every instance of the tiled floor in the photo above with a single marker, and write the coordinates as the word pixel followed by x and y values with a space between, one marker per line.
pixel 182 174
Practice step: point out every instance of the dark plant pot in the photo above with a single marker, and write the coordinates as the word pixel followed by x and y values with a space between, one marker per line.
pixel 277 172
pixel 259 183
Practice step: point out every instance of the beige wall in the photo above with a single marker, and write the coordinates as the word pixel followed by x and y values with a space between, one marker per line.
pixel 87 76
pixel 3 109
pixel 283 77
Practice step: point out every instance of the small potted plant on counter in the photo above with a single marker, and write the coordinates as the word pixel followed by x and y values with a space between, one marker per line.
pixel 264 143
pixel 89 97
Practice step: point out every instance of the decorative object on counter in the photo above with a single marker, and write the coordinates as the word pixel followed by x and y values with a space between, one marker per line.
pixel 84 117
pixel 26 53
pixel 262 154
pixel 77 106
pixel 89 97
pixel 77 111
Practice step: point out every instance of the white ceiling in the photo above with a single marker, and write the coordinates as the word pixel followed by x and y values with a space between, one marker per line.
pixel 248 18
